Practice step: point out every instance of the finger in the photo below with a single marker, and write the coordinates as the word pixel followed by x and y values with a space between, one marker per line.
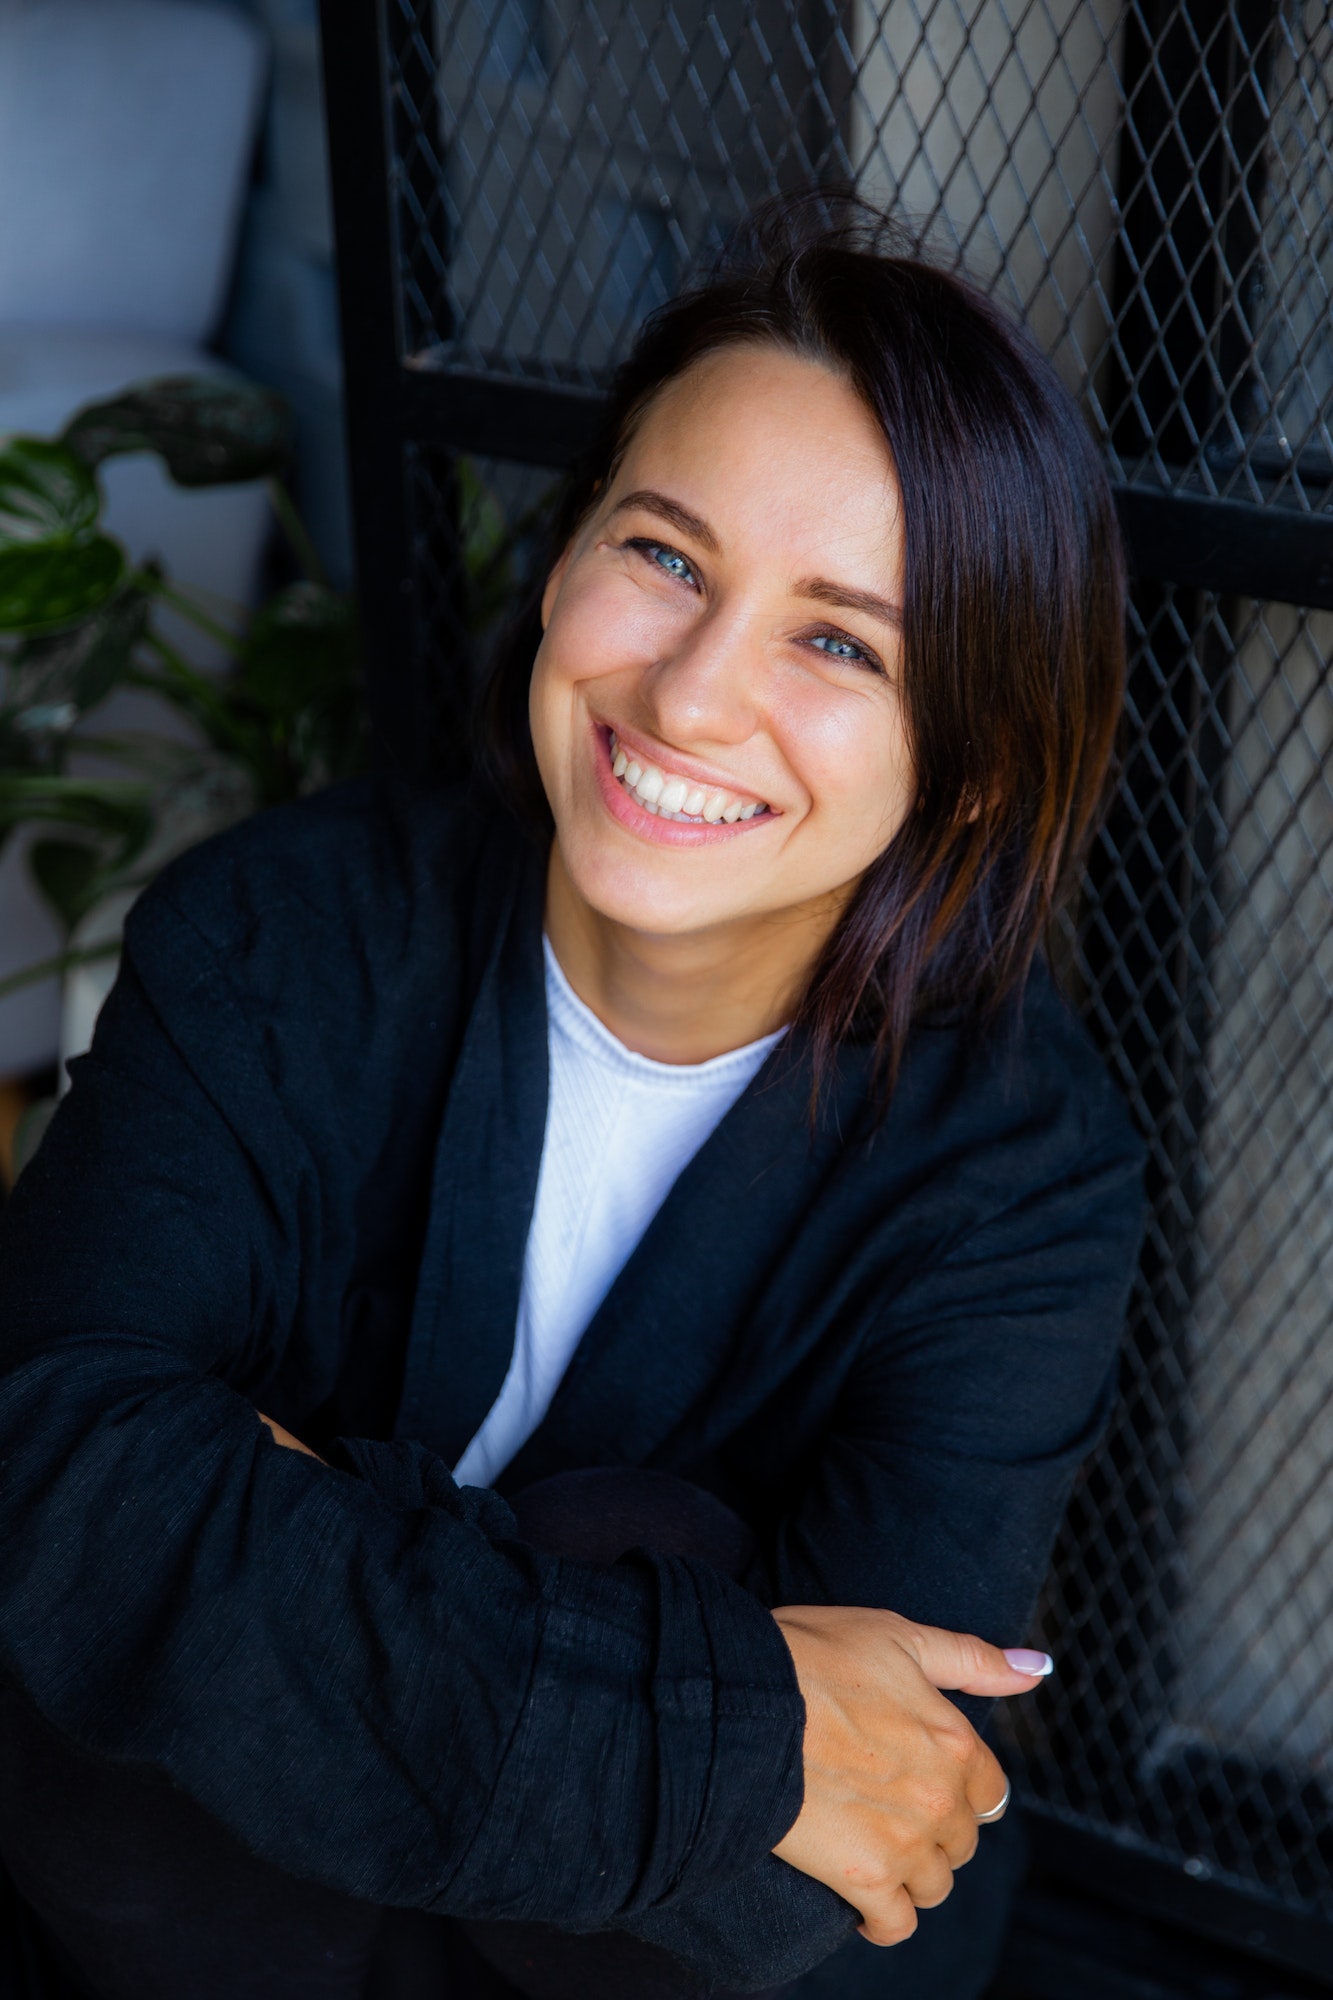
pixel 930 1881
pixel 962 1661
pixel 985 1783
pixel 960 1837
pixel 889 1919
pixel 992 1815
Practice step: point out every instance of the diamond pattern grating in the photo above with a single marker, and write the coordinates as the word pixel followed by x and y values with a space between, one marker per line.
pixel 1191 1602
pixel 1150 186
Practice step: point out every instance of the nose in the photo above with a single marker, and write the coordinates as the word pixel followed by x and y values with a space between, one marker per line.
pixel 710 688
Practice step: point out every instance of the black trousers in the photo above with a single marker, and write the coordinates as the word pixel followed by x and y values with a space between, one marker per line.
pixel 127 1890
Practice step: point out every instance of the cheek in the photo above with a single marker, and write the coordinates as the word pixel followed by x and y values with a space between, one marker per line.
pixel 599 625
pixel 542 701
pixel 550 721
pixel 850 752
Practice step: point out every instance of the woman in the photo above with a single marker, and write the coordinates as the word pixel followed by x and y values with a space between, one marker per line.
pixel 709 1168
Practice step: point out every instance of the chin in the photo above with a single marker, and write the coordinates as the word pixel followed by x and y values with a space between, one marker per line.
pixel 646 895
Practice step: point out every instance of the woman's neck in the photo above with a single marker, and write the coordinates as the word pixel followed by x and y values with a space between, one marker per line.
pixel 687 997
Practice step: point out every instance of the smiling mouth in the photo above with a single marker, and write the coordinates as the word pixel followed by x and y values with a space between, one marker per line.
pixel 669 796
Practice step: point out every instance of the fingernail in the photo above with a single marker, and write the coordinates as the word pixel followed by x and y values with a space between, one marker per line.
pixel 1024 1661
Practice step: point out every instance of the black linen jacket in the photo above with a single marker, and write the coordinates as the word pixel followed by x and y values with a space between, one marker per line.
pixel 297 1172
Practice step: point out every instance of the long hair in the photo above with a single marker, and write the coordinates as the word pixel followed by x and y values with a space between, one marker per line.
pixel 1013 629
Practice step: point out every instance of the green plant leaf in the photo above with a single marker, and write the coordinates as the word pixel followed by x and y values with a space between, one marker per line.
pixel 56 677
pixel 48 496
pixel 209 432
pixel 119 808
pixel 229 724
pixel 300 672
pixel 116 818
pixel 158 760
pixel 497 552
pixel 69 874
pixel 43 586
pixel 300 646
pixel 486 538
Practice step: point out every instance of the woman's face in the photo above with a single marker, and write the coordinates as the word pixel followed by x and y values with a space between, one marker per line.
pixel 716 703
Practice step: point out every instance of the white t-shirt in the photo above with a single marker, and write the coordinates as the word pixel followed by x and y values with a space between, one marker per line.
pixel 619 1129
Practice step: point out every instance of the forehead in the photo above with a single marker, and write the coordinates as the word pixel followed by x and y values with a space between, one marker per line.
pixel 762 442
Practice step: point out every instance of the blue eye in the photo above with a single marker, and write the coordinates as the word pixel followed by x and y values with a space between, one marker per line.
pixel 839 647
pixel 665 558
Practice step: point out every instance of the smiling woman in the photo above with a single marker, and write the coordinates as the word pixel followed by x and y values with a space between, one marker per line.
pixel 722 762
pixel 655 1183
pixel 845 553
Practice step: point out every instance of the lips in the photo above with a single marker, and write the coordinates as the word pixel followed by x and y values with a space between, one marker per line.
pixel 673 828
pixel 669 795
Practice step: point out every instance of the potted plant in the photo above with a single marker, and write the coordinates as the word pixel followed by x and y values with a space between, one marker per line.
pixel 78 619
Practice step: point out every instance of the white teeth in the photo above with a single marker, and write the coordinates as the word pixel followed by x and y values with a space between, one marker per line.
pixel 675 798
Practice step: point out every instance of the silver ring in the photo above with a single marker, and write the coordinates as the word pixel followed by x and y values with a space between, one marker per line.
pixel 995 1811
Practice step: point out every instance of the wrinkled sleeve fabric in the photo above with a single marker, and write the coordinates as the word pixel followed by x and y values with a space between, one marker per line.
pixel 939 1491
pixel 372 1683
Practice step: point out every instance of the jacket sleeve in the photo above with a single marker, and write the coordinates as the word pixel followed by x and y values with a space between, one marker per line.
pixel 941 1485
pixel 382 1691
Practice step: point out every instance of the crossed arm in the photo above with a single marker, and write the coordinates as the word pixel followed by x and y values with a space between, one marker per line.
pixel 275 1636
pixel 895 1776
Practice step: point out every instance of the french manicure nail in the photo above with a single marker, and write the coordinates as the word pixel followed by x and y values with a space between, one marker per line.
pixel 1024 1661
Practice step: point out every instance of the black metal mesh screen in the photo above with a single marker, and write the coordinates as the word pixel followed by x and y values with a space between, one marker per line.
pixel 1191 1605
pixel 474 526
pixel 1149 186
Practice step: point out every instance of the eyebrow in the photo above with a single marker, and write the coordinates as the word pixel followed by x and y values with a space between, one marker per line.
pixel 840 595
pixel 671 510
pixel 846 599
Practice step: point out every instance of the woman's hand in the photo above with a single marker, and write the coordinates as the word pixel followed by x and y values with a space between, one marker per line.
pixel 895 1775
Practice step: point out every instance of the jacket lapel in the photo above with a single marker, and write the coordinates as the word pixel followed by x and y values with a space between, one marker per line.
pixel 485 1179
pixel 668 1329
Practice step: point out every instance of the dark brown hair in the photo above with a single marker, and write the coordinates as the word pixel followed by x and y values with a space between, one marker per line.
pixel 1013 639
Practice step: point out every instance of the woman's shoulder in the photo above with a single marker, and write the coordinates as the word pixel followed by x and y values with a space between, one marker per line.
pixel 1059 1115
pixel 1056 1056
pixel 332 946
pixel 1019 1098
pixel 365 865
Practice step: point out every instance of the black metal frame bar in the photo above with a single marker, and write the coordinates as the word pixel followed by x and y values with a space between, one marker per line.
pixel 397 402
pixel 353 62
pixel 1250 551
pixel 1231 1913
pixel 1181 61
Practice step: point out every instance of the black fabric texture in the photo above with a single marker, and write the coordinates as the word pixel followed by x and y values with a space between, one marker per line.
pixel 142 1896
pixel 145 1897
pixel 597 1515
pixel 296 1172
